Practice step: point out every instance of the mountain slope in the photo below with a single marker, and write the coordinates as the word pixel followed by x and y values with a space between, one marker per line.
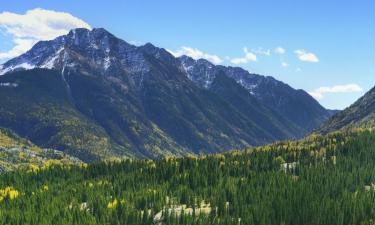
pixel 95 96
pixel 297 106
pixel 87 120
pixel 360 114
pixel 247 104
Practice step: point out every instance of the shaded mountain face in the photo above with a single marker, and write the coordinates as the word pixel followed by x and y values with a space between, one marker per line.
pixel 95 96
pixel 297 106
pixel 360 114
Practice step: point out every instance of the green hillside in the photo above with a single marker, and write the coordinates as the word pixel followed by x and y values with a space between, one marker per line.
pixel 319 180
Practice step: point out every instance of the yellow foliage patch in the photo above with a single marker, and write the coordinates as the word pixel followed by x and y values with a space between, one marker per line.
pixel 44 188
pixel 8 192
pixel 33 168
pixel 113 204
pixel 6 141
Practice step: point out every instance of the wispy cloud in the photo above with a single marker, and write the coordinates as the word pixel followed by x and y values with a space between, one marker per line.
pixel 136 43
pixel 280 50
pixel 196 54
pixel 35 25
pixel 261 51
pixel 305 56
pixel 249 57
pixel 348 88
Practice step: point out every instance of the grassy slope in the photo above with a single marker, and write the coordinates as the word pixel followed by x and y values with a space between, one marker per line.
pixel 19 153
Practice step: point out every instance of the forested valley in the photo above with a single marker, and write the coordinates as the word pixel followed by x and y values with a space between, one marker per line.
pixel 319 180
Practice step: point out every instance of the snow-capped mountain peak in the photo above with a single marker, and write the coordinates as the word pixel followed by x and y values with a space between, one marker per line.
pixel 123 66
pixel 90 49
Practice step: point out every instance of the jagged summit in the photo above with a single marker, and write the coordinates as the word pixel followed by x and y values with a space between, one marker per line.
pixel 80 48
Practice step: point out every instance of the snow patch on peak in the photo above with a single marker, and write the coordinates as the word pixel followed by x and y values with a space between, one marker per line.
pixel 21 66
pixel 94 46
pixel 50 62
pixel 25 66
pixel 107 62
pixel 187 69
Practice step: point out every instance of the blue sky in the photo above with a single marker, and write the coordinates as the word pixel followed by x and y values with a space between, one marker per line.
pixel 329 46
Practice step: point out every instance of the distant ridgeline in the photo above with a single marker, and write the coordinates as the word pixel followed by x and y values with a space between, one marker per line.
pixel 323 179
pixel 360 114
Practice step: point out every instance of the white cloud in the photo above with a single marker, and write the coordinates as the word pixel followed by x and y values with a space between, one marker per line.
pixel 306 56
pixel 261 51
pixel 284 64
pixel 196 54
pixel 348 88
pixel 136 43
pixel 280 50
pixel 21 46
pixel 249 57
pixel 239 61
pixel 40 24
pixel 35 25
